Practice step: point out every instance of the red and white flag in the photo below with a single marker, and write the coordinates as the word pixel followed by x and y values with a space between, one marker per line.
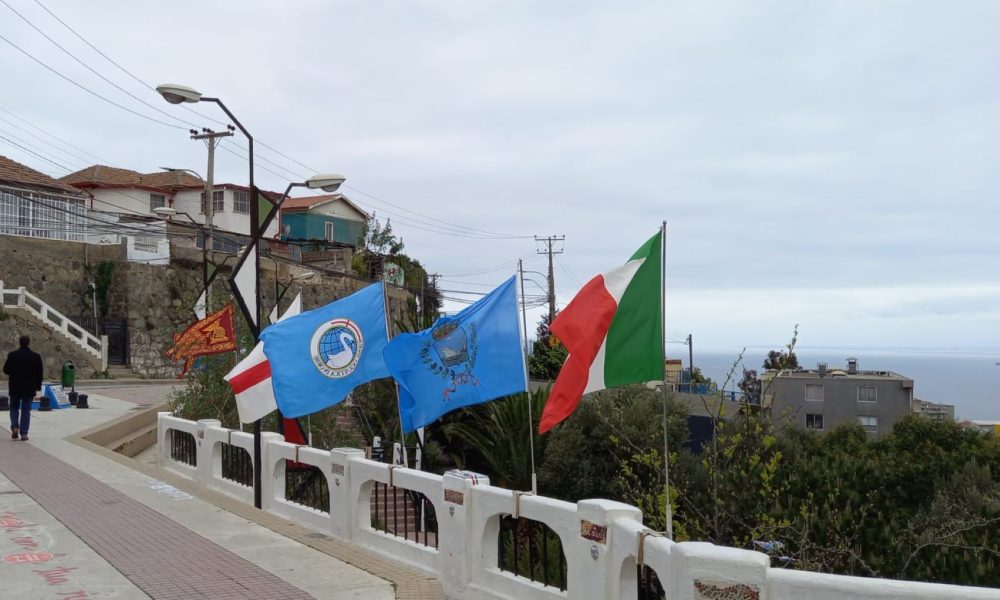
pixel 251 378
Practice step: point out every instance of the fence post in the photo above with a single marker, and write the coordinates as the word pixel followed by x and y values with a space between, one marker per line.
pixel 204 450
pixel 267 471
pixel 596 574
pixel 20 297
pixel 458 554
pixel 162 444
pixel 104 353
pixel 342 505
pixel 702 570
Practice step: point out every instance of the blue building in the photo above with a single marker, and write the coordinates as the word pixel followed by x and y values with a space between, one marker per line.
pixel 330 217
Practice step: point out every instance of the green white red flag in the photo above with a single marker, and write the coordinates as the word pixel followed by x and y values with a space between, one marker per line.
pixel 613 329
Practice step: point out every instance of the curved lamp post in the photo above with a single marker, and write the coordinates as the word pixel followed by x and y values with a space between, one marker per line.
pixel 178 94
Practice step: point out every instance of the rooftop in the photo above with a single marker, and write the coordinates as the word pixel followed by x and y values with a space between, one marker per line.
pixel 102 176
pixel 13 172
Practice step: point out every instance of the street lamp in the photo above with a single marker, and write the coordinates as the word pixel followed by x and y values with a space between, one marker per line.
pixel 177 94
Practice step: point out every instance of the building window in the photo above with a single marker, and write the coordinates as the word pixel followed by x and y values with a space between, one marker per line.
pixel 867 393
pixel 329 232
pixel 157 201
pixel 241 202
pixel 869 423
pixel 814 393
pixel 218 203
pixel 814 421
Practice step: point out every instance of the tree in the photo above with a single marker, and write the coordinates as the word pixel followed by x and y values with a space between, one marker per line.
pixel 548 354
pixel 780 360
pixel 379 238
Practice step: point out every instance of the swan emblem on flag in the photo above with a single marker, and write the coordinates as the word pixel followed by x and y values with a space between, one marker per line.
pixel 336 347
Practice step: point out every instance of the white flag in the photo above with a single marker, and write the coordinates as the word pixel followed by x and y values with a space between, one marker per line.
pixel 251 378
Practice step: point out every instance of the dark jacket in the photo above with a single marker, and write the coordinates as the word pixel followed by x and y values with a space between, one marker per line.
pixel 24 368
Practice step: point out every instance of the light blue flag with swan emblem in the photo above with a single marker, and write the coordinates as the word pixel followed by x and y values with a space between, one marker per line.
pixel 318 357
pixel 469 358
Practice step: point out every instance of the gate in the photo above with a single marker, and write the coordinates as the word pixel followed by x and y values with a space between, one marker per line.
pixel 117 331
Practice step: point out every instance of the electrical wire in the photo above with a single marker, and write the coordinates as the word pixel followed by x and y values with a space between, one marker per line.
pixel 88 90
pixel 92 70
pixel 55 137
pixel 38 138
pixel 112 61
pixel 35 154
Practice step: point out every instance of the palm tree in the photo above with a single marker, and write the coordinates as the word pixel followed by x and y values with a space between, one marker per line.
pixel 497 433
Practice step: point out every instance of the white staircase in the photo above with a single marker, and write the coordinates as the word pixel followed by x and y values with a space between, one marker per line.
pixel 22 300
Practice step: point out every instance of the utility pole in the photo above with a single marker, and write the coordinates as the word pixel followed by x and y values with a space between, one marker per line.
pixel 212 139
pixel 549 241
pixel 690 357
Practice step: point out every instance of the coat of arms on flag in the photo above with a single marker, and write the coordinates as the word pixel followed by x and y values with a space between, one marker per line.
pixel 212 335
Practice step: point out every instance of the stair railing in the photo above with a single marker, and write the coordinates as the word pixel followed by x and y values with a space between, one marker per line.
pixel 56 321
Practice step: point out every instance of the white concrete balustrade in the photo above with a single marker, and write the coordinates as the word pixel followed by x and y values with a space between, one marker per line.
pixel 20 299
pixel 603 541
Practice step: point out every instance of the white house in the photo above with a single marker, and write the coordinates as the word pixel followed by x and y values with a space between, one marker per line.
pixel 123 191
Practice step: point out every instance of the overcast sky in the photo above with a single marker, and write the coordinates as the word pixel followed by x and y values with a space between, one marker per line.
pixel 827 164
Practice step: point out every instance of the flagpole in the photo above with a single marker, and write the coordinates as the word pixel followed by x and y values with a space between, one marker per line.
pixel 668 509
pixel 527 387
pixel 388 337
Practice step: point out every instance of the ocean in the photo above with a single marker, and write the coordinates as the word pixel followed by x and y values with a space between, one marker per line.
pixel 969 380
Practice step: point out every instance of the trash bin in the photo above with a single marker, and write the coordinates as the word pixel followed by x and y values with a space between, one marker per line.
pixel 81 401
pixel 4 403
pixel 68 374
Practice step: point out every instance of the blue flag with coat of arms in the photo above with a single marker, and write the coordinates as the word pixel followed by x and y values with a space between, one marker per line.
pixel 319 356
pixel 469 358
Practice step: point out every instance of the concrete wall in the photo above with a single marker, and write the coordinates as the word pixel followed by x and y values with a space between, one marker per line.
pixel 840 399
pixel 121 200
pixel 54 348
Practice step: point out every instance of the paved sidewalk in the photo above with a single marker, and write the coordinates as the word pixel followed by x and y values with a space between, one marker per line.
pixel 158 555
pixel 77 523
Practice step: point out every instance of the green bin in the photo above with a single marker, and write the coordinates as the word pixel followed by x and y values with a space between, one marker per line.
pixel 68 374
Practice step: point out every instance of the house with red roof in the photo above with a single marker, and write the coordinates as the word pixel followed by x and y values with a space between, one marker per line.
pixel 329 217
pixel 127 192
pixel 32 204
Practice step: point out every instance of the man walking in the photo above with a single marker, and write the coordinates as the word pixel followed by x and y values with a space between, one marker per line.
pixel 24 370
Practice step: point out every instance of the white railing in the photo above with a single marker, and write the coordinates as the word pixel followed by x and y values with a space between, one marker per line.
pixel 21 299
pixel 604 542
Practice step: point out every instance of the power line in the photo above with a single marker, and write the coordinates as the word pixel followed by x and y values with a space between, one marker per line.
pixel 33 153
pixel 88 90
pixel 43 151
pixel 35 136
pixel 55 137
pixel 112 61
pixel 92 70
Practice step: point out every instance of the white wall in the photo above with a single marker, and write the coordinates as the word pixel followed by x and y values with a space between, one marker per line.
pixel 339 208
pixel 123 200
pixel 190 202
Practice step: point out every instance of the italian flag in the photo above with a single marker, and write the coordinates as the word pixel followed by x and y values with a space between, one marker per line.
pixel 613 330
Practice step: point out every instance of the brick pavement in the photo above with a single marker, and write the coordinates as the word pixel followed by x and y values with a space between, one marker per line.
pixel 161 557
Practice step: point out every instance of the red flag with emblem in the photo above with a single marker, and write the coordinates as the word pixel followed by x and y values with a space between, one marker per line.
pixel 212 335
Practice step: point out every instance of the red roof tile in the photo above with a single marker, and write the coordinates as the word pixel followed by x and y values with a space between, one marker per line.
pixel 15 173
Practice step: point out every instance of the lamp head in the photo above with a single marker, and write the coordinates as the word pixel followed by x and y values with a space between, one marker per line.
pixel 176 94
pixel 165 211
pixel 327 183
